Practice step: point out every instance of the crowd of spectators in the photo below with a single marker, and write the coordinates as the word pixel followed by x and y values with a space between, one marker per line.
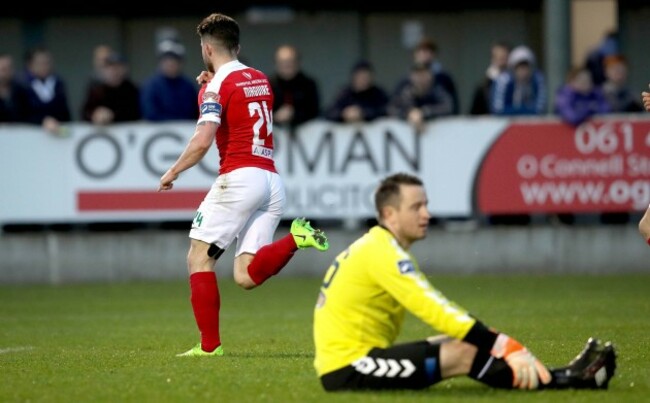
pixel 513 85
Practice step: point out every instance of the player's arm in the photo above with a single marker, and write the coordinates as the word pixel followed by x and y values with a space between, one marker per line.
pixel 645 96
pixel 412 289
pixel 408 285
pixel 195 150
pixel 527 370
pixel 644 225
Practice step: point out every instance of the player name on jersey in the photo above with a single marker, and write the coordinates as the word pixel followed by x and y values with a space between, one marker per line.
pixel 256 91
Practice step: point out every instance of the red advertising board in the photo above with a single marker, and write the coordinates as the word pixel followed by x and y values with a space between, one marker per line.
pixel 551 167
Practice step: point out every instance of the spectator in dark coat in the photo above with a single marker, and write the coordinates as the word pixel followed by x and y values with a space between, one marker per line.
pixel 116 98
pixel 47 91
pixel 499 52
pixel 14 98
pixel 169 94
pixel 615 88
pixel 426 52
pixel 595 60
pixel 361 100
pixel 296 95
pixel 420 100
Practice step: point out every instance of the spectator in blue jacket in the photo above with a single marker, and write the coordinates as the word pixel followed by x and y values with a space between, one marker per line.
pixel 169 94
pixel 521 89
pixel 578 99
pixel 361 100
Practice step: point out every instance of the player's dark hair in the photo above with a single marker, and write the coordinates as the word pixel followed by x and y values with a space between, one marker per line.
pixel 220 28
pixel 388 191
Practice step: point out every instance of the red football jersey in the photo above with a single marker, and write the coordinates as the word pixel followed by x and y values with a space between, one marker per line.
pixel 240 100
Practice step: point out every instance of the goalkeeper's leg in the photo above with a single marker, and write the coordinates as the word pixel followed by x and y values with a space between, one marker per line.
pixel 592 368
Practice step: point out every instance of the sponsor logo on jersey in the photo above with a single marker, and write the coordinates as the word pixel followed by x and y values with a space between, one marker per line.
pixel 257 91
pixel 247 75
pixel 405 266
pixel 262 151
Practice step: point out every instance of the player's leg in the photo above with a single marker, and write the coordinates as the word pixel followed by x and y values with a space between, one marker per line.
pixel 414 365
pixel 205 299
pixel 258 257
pixel 220 217
pixel 591 369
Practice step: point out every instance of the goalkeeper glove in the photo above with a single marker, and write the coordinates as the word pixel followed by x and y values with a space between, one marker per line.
pixel 526 369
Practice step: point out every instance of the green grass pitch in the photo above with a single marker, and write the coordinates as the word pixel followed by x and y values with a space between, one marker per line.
pixel 116 342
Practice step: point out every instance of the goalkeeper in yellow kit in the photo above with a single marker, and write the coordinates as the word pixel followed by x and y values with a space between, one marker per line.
pixel 370 286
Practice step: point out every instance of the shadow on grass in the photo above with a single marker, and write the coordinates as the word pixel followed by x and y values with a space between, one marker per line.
pixel 263 354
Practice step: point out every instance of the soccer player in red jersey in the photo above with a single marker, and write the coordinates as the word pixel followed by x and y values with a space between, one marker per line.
pixel 247 199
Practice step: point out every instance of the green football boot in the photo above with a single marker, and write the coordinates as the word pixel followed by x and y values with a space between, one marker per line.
pixel 308 237
pixel 197 351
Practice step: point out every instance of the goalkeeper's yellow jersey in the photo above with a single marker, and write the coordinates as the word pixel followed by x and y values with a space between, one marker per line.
pixel 364 296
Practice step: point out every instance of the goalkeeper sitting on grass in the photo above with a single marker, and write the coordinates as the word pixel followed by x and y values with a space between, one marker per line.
pixel 370 285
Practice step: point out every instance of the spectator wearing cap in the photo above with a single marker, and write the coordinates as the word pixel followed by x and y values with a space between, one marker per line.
pixel 115 97
pixel 420 100
pixel 361 100
pixel 521 89
pixel 169 94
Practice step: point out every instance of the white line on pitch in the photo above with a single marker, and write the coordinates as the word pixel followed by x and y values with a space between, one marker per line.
pixel 15 349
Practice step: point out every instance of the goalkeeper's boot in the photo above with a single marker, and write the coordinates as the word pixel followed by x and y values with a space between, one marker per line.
pixel 307 237
pixel 197 351
pixel 591 369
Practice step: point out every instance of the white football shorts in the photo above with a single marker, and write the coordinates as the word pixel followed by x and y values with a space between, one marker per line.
pixel 246 204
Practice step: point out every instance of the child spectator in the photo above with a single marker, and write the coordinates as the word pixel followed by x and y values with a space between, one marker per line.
pixel 578 99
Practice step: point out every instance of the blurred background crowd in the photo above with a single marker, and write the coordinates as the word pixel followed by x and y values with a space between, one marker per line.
pixel 428 77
